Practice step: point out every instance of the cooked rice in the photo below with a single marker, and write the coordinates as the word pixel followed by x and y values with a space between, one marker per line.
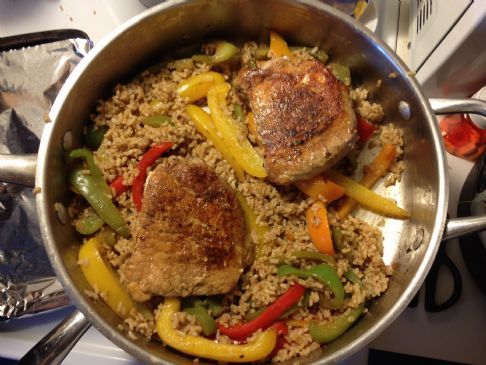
pixel 281 208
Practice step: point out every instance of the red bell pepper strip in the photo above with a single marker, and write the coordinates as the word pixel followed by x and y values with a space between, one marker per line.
pixel 270 315
pixel 145 162
pixel 365 128
pixel 282 330
pixel 118 186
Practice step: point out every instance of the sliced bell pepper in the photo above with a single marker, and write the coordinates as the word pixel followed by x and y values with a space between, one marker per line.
pixel 322 272
pixel 318 227
pixel 325 333
pixel 157 120
pixel 99 200
pixel 250 123
pixel 145 162
pixel 365 128
pixel 204 125
pixel 341 72
pixel 207 323
pixel 103 279
pixel 352 277
pixel 320 188
pixel 231 132
pixel 89 224
pixel 251 222
pixel 366 197
pixel 372 173
pixel 260 348
pixel 316 256
pixel 267 317
pixel 118 187
pixel 225 51
pixel 94 137
pixel 196 87
pixel 278 46
pixel 95 172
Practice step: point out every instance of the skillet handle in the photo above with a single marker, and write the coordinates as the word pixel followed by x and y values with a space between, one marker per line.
pixel 462 226
pixel 18 169
pixel 453 106
pixel 54 347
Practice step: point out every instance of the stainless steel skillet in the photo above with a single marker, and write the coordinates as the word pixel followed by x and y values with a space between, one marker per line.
pixel 410 245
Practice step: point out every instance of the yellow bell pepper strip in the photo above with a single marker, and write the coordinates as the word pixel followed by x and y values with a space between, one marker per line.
pixel 325 333
pixel 322 272
pixel 366 197
pixel 103 279
pixel 372 173
pixel 231 132
pixel 202 347
pixel 99 200
pixel 318 227
pixel 196 87
pixel 204 125
pixel 320 188
pixel 258 229
pixel 224 51
pixel 271 314
pixel 278 46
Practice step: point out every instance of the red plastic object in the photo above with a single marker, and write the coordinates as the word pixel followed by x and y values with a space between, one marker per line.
pixel 462 138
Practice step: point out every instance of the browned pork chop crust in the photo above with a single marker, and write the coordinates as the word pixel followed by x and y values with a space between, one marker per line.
pixel 190 235
pixel 304 117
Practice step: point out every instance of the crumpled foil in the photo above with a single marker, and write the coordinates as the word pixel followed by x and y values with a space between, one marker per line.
pixel 30 79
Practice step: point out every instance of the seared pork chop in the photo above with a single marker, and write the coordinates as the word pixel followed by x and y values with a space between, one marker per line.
pixel 304 117
pixel 190 234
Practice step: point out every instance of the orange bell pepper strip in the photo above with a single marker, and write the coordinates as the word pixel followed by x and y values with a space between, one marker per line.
pixel 372 173
pixel 318 227
pixel 320 188
pixel 278 46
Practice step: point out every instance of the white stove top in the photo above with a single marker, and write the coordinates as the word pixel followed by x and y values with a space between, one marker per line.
pixel 454 335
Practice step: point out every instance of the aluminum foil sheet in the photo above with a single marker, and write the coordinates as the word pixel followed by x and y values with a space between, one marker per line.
pixel 30 79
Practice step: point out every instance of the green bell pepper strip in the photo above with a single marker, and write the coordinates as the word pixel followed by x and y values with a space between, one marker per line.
pixel 341 72
pixel 88 225
pixel 352 277
pixel 322 272
pixel 325 333
pixel 316 256
pixel 238 112
pixel 157 120
pixel 88 187
pixel 207 323
pixel 94 137
pixel 251 316
pixel 87 156
pixel 261 53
